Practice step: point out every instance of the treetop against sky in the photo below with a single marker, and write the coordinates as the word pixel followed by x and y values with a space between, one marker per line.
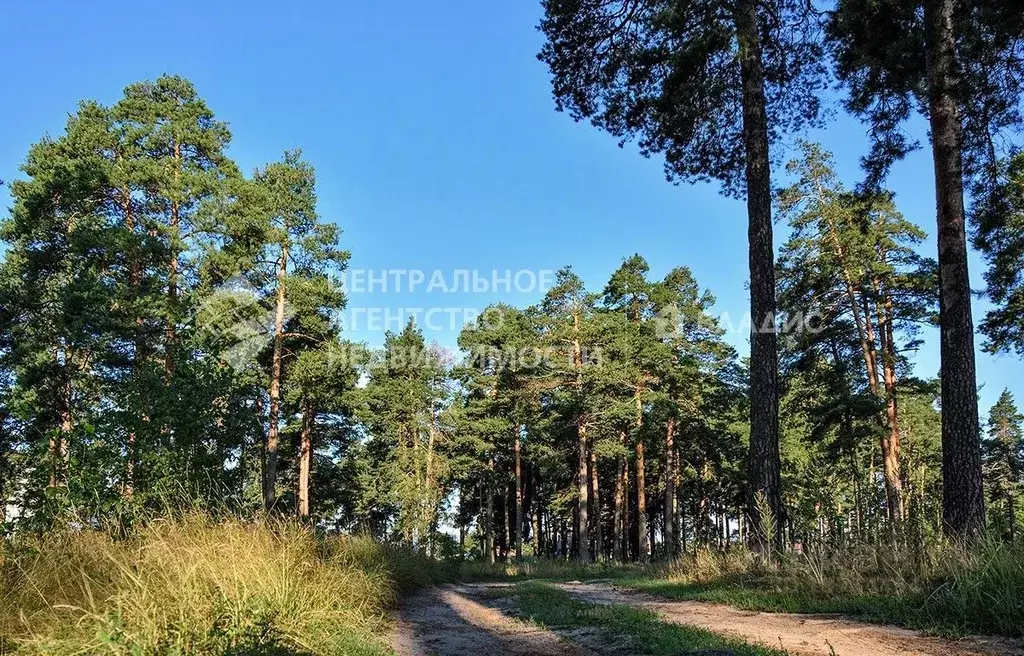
pixel 436 148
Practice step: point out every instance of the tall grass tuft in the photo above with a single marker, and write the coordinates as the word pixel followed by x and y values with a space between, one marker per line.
pixel 194 585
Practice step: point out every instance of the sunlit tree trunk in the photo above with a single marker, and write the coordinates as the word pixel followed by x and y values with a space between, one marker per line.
pixel 891 438
pixel 305 456
pixel 60 444
pixel 273 432
pixel 596 497
pixel 643 539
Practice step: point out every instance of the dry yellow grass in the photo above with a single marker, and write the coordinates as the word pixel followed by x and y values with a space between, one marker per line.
pixel 196 586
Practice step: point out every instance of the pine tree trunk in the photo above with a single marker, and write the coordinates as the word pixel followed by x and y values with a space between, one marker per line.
pixel 889 425
pixel 764 464
pixel 619 520
pixel 670 488
pixel 891 439
pixel 582 487
pixel 643 538
pixel 506 529
pixel 701 533
pixel 305 457
pixel 409 514
pixel 538 530
pixel 627 509
pixel 273 432
pixel 430 500
pixel 963 502
pixel 172 273
pixel 519 497
pixel 582 480
pixel 1011 510
pixel 134 284
pixel 61 444
pixel 643 544
pixel 596 497
pixel 677 504
pixel 489 517
pixel 682 527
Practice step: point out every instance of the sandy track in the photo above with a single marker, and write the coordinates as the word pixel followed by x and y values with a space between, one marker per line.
pixel 452 621
pixel 798 634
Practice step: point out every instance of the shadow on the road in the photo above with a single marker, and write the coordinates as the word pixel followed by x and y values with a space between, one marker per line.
pixel 455 620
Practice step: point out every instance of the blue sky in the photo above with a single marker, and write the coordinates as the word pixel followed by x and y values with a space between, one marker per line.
pixel 434 136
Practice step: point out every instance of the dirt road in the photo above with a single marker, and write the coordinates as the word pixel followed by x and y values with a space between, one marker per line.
pixel 466 619
pixel 454 621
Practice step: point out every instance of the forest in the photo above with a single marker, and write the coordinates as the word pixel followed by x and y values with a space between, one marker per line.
pixel 178 392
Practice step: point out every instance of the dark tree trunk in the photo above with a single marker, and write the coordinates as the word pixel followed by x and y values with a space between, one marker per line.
pixel 963 503
pixel 583 489
pixel 595 499
pixel 519 496
pixel 538 511
pixel 489 514
pixel 763 461
pixel 506 528
pixel 670 488
pixel 619 549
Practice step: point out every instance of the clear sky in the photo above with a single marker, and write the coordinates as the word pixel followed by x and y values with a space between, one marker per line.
pixel 434 136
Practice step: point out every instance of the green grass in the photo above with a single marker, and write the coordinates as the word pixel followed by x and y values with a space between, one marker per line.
pixel 547 606
pixel 195 586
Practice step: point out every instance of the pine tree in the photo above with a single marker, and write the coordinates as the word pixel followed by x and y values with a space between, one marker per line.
pixel 709 84
pixel 1000 237
pixel 629 292
pixel 321 387
pixel 698 388
pixel 58 292
pixel 941 57
pixel 568 331
pixel 294 259
pixel 405 394
pixel 851 260
pixel 1003 461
